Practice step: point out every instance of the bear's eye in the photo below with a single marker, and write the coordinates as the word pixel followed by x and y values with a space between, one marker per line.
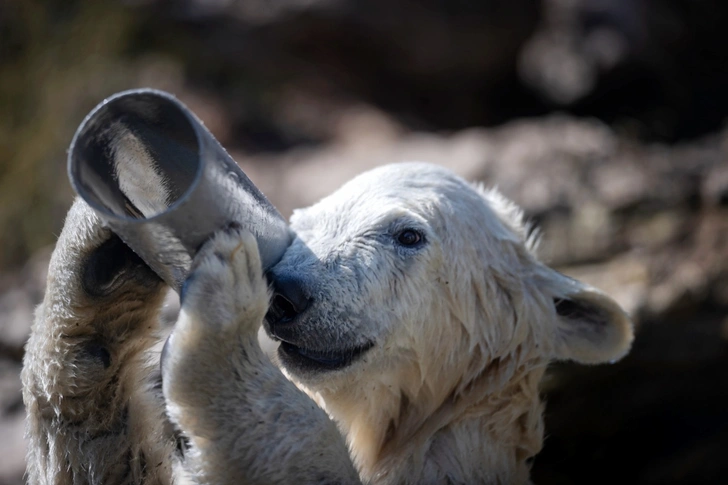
pixel 409 237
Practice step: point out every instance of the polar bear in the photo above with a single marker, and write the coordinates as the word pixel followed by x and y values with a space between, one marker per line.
pixel 414 325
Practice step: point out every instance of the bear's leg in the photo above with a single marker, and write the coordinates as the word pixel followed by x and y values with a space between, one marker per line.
pixel 93 413
pixel 246 423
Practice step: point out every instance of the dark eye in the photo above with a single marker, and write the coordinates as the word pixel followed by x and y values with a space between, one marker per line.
pixel 409 237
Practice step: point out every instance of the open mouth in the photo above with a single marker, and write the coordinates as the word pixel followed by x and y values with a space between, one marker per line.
pixel 316 360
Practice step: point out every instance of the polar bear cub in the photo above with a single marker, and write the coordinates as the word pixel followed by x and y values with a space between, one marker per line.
pixel 411 307
pixel 411 314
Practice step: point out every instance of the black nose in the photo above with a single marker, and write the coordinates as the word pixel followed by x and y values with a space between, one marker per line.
pixel 290 298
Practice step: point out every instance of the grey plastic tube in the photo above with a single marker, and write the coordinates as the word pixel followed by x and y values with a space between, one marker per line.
pixel 159 179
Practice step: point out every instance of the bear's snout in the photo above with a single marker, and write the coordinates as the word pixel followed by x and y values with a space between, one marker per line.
pixel 290 298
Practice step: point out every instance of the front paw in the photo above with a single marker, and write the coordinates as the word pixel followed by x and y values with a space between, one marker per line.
pixel 223 303
pixel 226 291
pixel 91 268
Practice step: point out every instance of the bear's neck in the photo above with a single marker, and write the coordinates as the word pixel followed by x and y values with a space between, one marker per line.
pixel 476 437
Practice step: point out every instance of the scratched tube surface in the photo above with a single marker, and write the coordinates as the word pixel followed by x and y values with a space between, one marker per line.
pixel 159 179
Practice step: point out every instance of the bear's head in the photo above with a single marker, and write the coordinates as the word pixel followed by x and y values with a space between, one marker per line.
pixel 413 277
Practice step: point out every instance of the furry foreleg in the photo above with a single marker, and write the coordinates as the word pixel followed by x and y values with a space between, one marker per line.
pixel 245 421
pixel 93 417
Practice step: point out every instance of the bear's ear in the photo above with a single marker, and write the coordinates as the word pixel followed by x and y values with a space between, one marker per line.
pixel 591 328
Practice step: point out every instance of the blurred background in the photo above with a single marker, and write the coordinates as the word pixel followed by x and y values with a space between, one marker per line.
pixel 604 119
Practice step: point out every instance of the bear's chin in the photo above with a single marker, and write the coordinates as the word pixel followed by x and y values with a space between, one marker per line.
pixel 299 359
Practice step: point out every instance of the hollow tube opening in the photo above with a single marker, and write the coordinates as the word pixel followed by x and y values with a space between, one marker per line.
pixel 136 155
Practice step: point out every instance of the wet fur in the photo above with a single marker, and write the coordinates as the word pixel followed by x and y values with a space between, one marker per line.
pixel 461 327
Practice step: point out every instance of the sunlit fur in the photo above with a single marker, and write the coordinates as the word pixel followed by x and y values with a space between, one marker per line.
pixel 462 326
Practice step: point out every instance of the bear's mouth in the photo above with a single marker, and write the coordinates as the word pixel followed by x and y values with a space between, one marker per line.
pixel 316 360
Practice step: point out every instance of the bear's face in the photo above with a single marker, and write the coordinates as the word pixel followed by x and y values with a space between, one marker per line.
pixel 407 272
pixel 365 282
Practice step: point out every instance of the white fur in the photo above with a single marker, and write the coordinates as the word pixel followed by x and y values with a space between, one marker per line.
pixel 461 328
pixel 137 173
pixel 464 327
